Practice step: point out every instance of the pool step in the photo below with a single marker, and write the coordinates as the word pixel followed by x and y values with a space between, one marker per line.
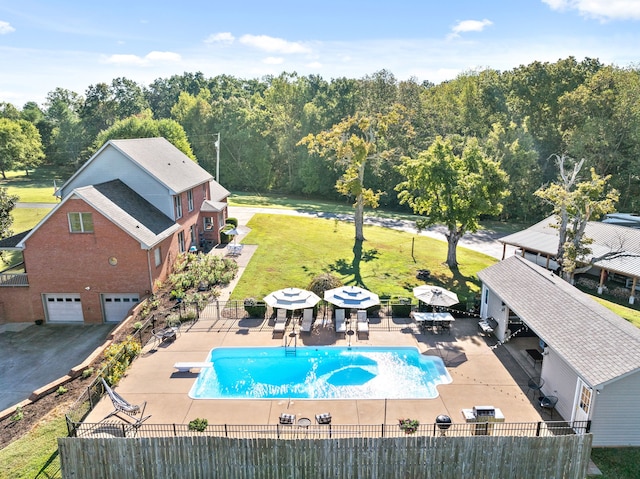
pixel 289 351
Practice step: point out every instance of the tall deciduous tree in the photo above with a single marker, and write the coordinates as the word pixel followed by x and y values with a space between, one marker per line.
pixel 20 145
pixel 146 127
pixel 7 203
pixel 452 190
pixel 351 144
pixel 575 203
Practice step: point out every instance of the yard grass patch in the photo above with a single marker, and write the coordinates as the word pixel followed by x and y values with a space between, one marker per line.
pixel 35 454
pixel 630 314
pixel 293 250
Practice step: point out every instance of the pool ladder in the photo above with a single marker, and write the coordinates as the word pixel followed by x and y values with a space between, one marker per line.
pixel 291 350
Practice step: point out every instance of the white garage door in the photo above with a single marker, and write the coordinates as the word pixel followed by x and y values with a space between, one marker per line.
pixel 116 306
pixel 63 308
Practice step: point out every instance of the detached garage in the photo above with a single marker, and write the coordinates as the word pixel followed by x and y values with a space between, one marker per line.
pixel 117 306
pixel 591 356
pixel 63 308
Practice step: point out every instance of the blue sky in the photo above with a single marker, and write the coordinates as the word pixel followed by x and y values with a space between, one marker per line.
pixel 45 44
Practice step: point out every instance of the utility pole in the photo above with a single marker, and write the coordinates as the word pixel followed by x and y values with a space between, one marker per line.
pixel 217 145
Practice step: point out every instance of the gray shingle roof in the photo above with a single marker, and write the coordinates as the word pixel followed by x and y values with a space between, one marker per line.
pixel 600 345
pixel 164 162
pixel 130 211
pixel 543 238
pixel 11 242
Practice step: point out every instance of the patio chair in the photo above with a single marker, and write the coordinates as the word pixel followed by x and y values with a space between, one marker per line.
pixel 307 320
pixel 323 418
pixel 363 322
pixel 132 414
pixel 549 402
pixel 281 321
pixel 287 419
pixel 535 384
pixel 445 326
pixel 340 324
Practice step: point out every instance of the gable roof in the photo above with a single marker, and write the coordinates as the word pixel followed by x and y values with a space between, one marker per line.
pixel 128 210
pixel 543 238
pixel 600 345
pixel 123 207
pixel 161 160
pixel 164 162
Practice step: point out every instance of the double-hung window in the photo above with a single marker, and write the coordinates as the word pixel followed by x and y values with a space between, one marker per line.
pixel 190 200
pixel 80 222
pixel 157 254
pixel 181 247
pixel 177 202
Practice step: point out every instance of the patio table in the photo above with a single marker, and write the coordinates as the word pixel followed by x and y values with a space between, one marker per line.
pixel 436 319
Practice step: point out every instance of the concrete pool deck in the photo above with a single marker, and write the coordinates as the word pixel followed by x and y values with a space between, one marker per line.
pixel 481 375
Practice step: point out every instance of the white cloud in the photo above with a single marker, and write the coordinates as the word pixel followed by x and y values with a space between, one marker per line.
pixel 602 9
pixel 223 37
pixel 273 60
pixel 271 44
pixel 314 65
pixel 5 27
pixel 151 57
pixel 471 26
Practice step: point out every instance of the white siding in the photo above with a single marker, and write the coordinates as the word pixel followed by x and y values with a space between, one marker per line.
pixel 559 380
pixel 495 309
pixel 111 166
pixel 615 417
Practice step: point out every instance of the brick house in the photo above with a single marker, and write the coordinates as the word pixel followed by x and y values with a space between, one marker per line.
pixel 122 219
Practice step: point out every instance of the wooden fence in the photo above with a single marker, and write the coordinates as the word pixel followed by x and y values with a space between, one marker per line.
pixel 562 457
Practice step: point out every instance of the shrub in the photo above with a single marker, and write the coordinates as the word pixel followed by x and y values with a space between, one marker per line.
pixel 18 415
pixel 401 310
pixel 254 308
pixel 232 221
pixel 198 424
pixel 118 357
pixel 137 325
pixel 324 282
pixel 87 373
pixel 409 426
pixel 61 390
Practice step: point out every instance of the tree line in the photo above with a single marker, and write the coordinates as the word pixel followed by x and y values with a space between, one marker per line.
pixel 519 118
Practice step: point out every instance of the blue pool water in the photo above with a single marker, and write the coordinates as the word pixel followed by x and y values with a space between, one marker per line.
pixel 320 373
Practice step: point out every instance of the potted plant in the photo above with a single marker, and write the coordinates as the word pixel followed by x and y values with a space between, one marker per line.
pixel 198 424
pixel 409 426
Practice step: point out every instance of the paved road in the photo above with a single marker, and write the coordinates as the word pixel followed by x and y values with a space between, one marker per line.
pixel 484 241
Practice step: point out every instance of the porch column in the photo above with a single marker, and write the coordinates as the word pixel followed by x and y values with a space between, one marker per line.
pixel 603 275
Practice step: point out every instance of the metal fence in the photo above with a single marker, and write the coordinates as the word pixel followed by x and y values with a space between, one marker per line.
pixel 330 431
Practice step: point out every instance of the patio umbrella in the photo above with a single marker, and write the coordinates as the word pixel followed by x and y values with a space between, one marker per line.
pixel 238 230
pixel 292 298
pixel 352 297
pixel 435 295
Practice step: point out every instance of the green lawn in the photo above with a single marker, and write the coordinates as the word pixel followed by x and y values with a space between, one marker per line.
pixel 293 250
pixel 630 314
pixel 36 454
pixel 35 188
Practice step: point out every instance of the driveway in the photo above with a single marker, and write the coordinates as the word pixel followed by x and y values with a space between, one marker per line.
pixel 32 357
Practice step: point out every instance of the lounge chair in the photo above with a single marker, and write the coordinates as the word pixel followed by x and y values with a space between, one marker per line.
pixel 281 321
pixel 287 419
pixel 307 320
pixel 323 418
pixel 363 322
pixel 132 414
pixel 341 325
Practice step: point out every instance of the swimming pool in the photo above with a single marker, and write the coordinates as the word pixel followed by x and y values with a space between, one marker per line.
pixel 328 372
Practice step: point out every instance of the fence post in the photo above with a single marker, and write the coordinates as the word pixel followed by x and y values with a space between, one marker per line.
pixel 538 426
pixel 175 431
pixel 226 432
